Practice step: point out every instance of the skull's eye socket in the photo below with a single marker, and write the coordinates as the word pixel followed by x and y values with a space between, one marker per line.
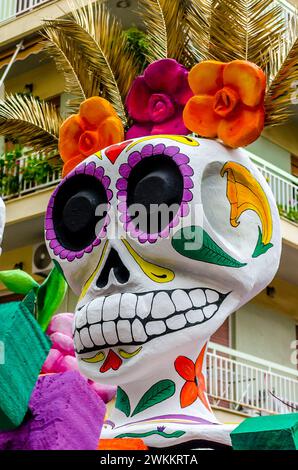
pixel 80 206
pixel 154 193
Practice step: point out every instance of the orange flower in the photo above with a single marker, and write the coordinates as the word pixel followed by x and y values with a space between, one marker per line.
pixel 194 386
pixel 228 101
pixel 95 127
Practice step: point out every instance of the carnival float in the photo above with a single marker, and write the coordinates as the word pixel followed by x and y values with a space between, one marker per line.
pixel 167 132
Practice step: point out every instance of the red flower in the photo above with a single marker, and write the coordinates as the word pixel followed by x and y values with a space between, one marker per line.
pixel 195 386
pixel 157 98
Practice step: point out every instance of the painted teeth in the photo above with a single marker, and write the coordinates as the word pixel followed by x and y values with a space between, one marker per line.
pixel 212 296
pixel 181 300
pixel 124 331
pixel 128 306
pixel 144 305
pixel 111 307
pixel 96 335
pixel 154 328
pixel 197 297
pixel 109 332
pixel 77 341
pixel 85 338
pixel 210 310
pixel 162 306
pixel 195 316
pixel 81 319
pixel 177 322
pixel 137 318
pixel 138 332
pixel 94 311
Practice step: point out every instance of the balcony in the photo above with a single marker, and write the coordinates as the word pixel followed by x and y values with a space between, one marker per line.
pixel 243 383
pixel 10 9
pixel 283 185
pixel 22 175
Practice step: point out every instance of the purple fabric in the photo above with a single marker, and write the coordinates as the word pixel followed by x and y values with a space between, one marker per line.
pixel 156 100
pixel 65 415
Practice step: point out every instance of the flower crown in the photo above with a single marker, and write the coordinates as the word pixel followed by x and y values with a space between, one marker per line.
pixel 206 76
pixel 214 100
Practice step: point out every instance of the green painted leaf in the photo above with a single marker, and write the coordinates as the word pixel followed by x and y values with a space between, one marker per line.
pixel 122 402
pixel 18 281
pixel 260 248
pixel 49 297
pixel 186 240
pixel 159 392
pixel 57 265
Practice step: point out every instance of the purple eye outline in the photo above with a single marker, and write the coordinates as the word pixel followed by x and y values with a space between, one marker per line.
pixel 149 150
pixel 59 250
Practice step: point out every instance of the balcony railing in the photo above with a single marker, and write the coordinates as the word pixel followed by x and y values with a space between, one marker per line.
pixel 247 384
pixel 283 185
pixel 27 174
pixel 10 9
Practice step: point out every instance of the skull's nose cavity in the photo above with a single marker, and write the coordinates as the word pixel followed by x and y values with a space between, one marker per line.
pixel 115 264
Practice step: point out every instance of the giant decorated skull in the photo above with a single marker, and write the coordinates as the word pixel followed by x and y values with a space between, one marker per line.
pixel 150 298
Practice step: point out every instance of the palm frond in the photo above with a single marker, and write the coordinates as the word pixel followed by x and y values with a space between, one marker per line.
pixel 262 23
pixel 103 44
pixel 199 21
pixel 167 29
pixel 79 82
pixel 32 122
pixel 283 89
pixel 151 13
pixel 175 15
pixel 227 30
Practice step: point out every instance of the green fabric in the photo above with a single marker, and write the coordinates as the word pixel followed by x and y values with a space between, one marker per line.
pixel 30 302
pixel 25 350
pixel 278 432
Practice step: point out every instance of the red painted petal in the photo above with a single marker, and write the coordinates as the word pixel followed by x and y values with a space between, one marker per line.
pixel 138 99
pixel 188 394
pixel 112 362
pixel 200 360
pixel 114 151
pixel 185 368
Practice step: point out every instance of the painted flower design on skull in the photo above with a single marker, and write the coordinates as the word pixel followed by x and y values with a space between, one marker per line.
pixel 228 101
pixel 157 98
pixel 194 386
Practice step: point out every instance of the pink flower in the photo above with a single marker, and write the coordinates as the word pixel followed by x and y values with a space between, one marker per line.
pixel 156 100
pixel 61 357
